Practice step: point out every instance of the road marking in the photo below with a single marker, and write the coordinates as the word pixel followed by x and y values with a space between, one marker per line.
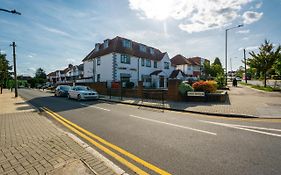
pixel 255 127
pixel 104 149
pixel 83 104
pixel 120 150
pixel 175 125
pixel 245 128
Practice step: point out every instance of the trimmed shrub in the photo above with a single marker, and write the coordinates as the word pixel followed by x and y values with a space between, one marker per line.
pixel 115 85
pixel 220 79
pixel 205 86
pixel 184 88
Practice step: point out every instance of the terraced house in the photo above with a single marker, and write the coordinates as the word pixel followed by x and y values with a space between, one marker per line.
pixel 121 59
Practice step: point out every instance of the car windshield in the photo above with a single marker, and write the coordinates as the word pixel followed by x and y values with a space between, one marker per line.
pixel 66 88
pixel 82 88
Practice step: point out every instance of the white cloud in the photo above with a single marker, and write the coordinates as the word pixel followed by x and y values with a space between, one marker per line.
pixel 250 48
pixel 243 31
pixel 258 5
pixel 194 15
pixel 250 17
pixel 54 30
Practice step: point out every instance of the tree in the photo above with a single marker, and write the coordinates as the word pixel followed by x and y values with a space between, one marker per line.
pixel 277 65
pixel 216 68
pixel 207 69
pixel 265 59
pixel 217 61
pixel 4 70
pixel 40 73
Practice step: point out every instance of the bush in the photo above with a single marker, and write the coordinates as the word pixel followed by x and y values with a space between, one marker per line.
pixel 184 88
pixel 220 79
pixel 205 86
pixel 115 85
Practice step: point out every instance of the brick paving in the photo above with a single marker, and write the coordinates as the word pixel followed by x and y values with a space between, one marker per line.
pixel 243 101
pixel 32 144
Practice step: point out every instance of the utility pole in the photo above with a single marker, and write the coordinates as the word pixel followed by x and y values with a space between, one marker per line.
pixel 245 61
pixel 15 68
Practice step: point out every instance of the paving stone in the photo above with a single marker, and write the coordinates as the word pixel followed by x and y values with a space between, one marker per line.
pixel 30 144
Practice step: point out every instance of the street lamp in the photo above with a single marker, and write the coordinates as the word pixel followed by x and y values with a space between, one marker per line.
pixel 240 25
pixel 14 52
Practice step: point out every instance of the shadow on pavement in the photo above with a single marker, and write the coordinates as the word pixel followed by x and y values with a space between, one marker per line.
pixel 59 104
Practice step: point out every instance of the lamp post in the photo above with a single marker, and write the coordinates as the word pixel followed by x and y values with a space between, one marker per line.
pixel 226 30
pixel 14 52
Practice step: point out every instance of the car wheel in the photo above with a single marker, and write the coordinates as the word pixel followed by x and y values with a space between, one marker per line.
pixel 68 96
pixel 55 94
pixel 78 97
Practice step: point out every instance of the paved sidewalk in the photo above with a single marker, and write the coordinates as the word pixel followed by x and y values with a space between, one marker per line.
pixel 32 144
pixel 243 102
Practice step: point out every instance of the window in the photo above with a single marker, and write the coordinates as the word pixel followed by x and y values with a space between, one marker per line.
pixel 126 59
pixel 125 77
pixel 127 43
pixel 155 64
pixel 142 62
pixel 151 51
pixel 106 42
pixel 148 63
pixel 142 48
pixel 145 78
pixel 98 77
pixel 98 61
pixel 166 65
pixel 97 46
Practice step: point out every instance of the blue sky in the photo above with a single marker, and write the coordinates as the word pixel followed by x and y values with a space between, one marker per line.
pixel 51 34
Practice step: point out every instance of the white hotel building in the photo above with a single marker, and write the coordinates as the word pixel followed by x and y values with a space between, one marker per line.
pixel 120 59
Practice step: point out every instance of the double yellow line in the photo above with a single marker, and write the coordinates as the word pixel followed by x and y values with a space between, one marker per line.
pixel 92 138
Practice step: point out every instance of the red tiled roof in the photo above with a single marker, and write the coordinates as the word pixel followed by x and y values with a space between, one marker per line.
pixel 52 74
pixel 115 45
pixel 195 60
pixel 179 59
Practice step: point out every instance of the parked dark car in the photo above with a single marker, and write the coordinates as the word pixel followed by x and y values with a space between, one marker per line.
pixel 62 91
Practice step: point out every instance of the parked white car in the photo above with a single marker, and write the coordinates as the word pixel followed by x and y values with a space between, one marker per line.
pixel 82 93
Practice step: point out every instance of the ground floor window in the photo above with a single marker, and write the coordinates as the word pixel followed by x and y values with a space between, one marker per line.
pixel 98 77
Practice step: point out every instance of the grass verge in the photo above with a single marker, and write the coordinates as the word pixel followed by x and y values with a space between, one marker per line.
pixel 267 89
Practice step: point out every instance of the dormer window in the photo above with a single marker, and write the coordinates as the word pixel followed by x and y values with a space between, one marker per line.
pixel 106 43
pixel 142 48
pixel 127 43
pixel 97 47
pixel 151 51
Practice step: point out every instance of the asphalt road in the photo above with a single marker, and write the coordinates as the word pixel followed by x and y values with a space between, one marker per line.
pixel 179 143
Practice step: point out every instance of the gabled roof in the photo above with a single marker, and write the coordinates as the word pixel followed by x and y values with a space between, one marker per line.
pixel 115 45
pixel 195 60
pixel 179 60
pixel 52 74
pixel 156 72
pixel 175 73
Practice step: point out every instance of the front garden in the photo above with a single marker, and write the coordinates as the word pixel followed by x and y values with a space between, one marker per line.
pixel 202 91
